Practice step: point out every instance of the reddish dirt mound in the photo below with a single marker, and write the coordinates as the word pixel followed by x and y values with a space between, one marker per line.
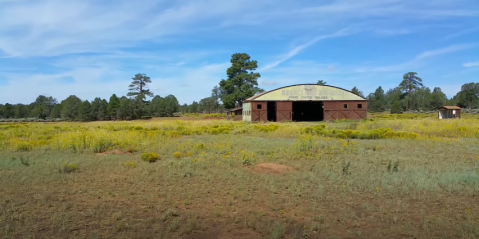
pixel 214 233
pixel 115 152
pixel 272 168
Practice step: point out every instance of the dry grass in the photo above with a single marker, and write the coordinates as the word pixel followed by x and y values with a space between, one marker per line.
pixel 206 186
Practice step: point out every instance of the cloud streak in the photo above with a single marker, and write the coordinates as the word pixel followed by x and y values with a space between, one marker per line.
pixel 471 64
pixel 66 47
pixel 293 52
pixel 418 59
pixel 442 51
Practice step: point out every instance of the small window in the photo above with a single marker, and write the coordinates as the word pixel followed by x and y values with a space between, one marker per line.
pixel 258 106
pixel 360 106
pixel 345 106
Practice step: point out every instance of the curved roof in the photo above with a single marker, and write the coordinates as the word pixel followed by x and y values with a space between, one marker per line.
pixel 306 92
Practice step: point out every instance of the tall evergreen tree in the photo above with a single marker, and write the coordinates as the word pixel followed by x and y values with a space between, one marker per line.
pixel 321 82
pixel 378 100
pixel 193 107
pixel 409 84
pixel 468 97
pixel 396 107
pixel 139 87
pixel 84 112
pixel 171 105
pixel 156 106
pixel 241 82
pixel 70 108
pixel 21 111
pixel 43 106
pixel 216 97
pixel 125 109
pixel 438 99
pixel 103 111
pixel 207 105
pixel 356 91
pixel 55 114
pixel 139 90
pixel 8 111
pixel 113 106
pixel 95 108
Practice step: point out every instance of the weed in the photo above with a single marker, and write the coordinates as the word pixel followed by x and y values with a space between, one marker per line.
pixel 178 155
pixel 68 168
pixel 174 226
pixel 129 164
pixel 131 149
pixel 192 225
pixel 102 145
pixel 23 161
pixel 393 167
pixel 170 213
pixel 247 158
pixel 346 168
pixel 277 230
pixel 150 157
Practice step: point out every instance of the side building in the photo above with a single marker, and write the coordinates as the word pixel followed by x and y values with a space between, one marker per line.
pixel 305 102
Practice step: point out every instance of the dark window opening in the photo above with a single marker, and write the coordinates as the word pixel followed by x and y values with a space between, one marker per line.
pixel 345 106
pixel 271 107
pixel 308 111
pixel 258 106
pixel 360 106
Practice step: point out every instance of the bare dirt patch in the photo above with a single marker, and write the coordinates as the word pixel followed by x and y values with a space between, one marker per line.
pixel 214 233
pixel 272 168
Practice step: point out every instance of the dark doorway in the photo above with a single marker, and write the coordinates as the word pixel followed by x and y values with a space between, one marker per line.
pixel 308 111
pixel 271 106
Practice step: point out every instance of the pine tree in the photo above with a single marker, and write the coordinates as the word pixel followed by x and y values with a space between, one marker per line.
pixel 242 81
pixel 113 106
pixel 396 107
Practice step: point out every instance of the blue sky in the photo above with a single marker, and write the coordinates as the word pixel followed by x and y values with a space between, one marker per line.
pixel 93 48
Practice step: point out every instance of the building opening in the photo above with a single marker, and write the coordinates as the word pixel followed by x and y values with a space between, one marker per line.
pixel 271 106
pixel 308 111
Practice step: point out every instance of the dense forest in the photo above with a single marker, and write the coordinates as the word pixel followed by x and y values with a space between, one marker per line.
pixel 241 83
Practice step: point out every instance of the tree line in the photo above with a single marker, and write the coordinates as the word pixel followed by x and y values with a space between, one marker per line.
pixel 240 84
pixel 412 95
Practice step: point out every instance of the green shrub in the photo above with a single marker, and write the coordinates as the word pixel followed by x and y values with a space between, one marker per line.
pixel 396 107
pixel 266 128
pixel 24 147
pixel 102 145
pixel 68 168
pixel 150 157
pixel 178 155
pixel 129 164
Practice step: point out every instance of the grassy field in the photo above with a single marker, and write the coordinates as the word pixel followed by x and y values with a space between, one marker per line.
pixel 407 176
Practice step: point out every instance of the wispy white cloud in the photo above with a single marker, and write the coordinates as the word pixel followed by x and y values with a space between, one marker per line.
pixel 471 64
pixel 54 27
pixel 461 33
pixel 89 82
pixel 442 51
pixel 103 43
pixel 418 61
pixel 392 32
pixel 293 52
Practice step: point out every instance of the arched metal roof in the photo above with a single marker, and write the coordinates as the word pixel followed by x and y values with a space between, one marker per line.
pixel 306 92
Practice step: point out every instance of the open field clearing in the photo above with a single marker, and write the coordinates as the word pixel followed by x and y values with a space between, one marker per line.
pixel 385 177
